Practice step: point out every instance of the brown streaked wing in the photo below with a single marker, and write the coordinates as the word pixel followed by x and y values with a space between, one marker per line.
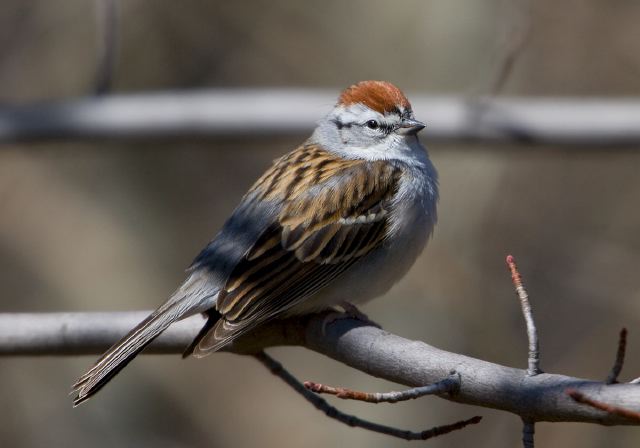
pixel 334 211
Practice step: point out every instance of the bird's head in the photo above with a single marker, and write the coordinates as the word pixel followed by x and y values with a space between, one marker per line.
pixel 370 117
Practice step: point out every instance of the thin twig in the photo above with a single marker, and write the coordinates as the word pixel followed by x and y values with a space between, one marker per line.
pixel 611 409
pixel 532 333
pixel 516 39
pixel 107 18
pixel 277 369
pixel 619 362
pixel 528 432
pixel 450 384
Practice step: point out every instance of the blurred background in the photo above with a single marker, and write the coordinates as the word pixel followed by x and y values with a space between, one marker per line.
pixel 111 224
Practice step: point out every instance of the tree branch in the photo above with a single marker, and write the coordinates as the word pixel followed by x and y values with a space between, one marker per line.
pixel 366 348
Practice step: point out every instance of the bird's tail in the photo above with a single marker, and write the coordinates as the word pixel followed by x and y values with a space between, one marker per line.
pixel 184 303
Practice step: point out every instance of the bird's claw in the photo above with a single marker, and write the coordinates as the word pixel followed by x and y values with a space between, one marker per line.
pixel 350 311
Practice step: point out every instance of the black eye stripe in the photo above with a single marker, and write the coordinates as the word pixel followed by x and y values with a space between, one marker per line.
pixel 383 127
pixel 339 124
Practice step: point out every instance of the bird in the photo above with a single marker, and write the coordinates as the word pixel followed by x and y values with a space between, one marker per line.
pixel 334 223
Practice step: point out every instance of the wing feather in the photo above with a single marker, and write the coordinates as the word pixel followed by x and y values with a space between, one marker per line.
pixel 332 212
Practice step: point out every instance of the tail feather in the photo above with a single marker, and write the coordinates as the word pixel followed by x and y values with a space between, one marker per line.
pixel 118 356
pixel 195 296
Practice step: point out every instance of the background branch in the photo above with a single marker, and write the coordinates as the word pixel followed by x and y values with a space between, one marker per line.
pixel 107 40
pixel 294 111
pixel 366 348
pixel 515 41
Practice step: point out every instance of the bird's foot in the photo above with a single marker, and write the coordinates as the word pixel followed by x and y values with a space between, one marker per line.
pixel 349 311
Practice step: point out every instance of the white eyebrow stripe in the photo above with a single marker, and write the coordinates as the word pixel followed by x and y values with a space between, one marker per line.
pixel 359 113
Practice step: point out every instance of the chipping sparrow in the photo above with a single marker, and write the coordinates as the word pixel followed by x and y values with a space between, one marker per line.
pixel 341 218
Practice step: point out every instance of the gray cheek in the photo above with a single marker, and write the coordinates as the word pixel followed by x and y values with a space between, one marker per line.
pixel 348 136
pixel 356 137
pixel 344 137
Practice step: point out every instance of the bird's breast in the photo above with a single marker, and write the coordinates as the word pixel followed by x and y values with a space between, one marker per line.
pixel 411 223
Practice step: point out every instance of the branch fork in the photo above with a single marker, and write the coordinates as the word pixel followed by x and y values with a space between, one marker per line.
pixel 308 388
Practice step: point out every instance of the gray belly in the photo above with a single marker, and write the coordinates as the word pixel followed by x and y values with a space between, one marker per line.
pixel 375 274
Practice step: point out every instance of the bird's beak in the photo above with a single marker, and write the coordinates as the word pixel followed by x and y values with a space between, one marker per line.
pixel 409 126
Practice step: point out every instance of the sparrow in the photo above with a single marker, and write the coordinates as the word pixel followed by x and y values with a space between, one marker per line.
pixel 337 221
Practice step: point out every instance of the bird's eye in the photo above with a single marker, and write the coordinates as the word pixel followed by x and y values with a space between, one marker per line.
pixel 372 124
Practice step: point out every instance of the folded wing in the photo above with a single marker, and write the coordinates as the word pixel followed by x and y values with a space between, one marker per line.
pixel 332 213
